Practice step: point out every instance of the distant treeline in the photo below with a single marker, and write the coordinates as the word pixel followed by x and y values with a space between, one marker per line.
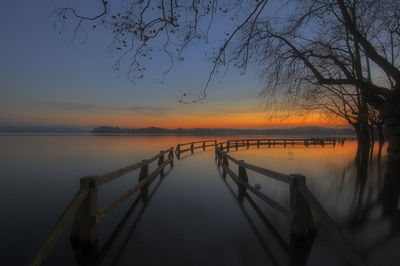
pixel 301 131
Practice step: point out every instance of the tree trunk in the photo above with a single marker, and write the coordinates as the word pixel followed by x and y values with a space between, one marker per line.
pixel 372 135
pixel 381 137
pixel 391 189
pixel 391 119
pixel 364 138
pixel 357 129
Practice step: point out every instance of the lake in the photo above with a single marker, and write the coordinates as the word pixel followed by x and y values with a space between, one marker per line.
pixel 193 217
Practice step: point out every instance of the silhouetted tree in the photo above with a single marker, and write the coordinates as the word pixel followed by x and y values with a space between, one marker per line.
pixel 326 43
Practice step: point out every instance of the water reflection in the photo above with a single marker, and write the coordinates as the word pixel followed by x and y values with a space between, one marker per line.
pixel 297 251
pixel 358 186
pixel 91 255
pixel 360 191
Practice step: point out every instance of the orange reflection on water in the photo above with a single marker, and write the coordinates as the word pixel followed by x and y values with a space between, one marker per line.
pixel 301 159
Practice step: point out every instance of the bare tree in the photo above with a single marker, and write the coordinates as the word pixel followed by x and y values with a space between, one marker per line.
pixel 328 43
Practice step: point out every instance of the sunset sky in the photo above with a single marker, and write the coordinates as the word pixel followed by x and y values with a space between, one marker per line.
pixel 46 79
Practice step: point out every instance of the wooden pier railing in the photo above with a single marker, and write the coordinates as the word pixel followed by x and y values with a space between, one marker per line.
pixel 302 201
pixel 236 143
pixel 191 146
pixel 87 215
pixel 84 204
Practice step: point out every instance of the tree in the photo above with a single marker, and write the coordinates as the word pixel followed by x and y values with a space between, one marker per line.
pixel 326 43
pixel 336 102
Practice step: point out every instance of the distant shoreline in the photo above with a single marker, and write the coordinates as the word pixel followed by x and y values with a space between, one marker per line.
pixel 298 131
pixel 156 131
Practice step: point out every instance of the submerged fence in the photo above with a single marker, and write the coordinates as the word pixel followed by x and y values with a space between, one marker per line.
pixel 302 201
pixel 192 146
pixel 84 204
pixel 85 207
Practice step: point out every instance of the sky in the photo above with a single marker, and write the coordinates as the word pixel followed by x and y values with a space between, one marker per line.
pixel 48 79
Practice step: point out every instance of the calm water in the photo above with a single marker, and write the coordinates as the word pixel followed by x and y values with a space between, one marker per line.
pixel 193 216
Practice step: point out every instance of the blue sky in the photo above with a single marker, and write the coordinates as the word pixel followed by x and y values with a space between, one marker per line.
pixel 46 79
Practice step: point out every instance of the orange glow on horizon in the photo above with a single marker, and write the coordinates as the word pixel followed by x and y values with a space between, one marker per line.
pixel 246 120
pixel 180 118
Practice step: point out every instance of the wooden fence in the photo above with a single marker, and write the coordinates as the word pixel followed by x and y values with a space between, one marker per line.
pixel 191 146
pixel 236 143
pixel 302 201
pixel 84 204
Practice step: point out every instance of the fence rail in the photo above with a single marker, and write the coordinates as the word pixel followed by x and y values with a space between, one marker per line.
pixel 191 146
pixel 87 216
pixel 236 143
pixel 302 201
pixel 84 204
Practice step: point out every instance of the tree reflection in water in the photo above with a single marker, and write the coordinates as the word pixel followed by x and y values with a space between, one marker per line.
pixel 376 197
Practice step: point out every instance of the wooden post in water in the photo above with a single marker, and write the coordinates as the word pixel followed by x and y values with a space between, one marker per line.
pixel 306 142
pixel 237 145
pixel 160 161
pixel 178 151
pixel 248 144
pixel 144 172
pixel 302 226
pixel 215 143
pixel 224 163
pixel 258 143
pixel 84 229
pixel 292 142
pixel 284 143
pixel 171 156
pixel 228 145
pixel 204 145
pixel 243 176
pixel 192 147
pixel 323 142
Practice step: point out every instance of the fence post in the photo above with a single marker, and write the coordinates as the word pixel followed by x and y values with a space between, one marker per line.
pixel 171 156
pixel 178 151
pixel 84 229
pixel 224 163
pixel 144 172
pixel 218 156
pixel 192 148
pixel 160 161
pixel 302 225
pixel 243 176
